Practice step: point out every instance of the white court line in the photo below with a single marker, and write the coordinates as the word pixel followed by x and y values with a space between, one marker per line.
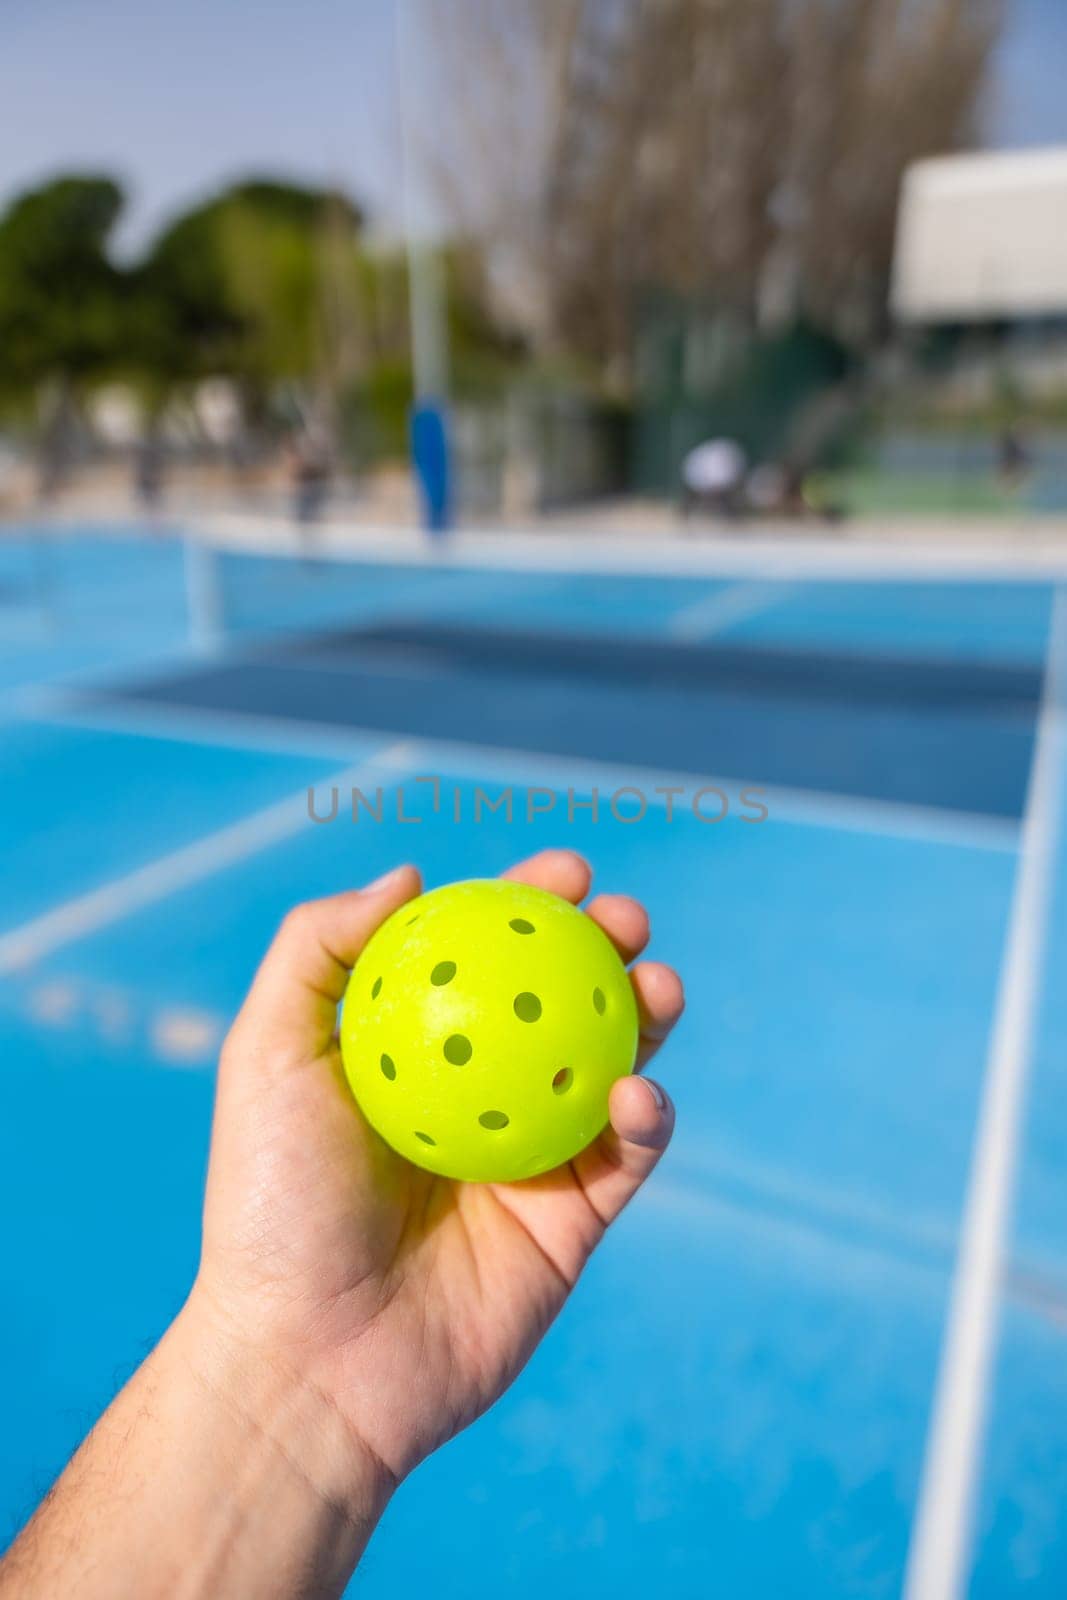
pixel 228 730
pixel 18 702
pixel 939 1557
pixel 718 611
pixel 88 913
pixel 809 808
pixel 476 763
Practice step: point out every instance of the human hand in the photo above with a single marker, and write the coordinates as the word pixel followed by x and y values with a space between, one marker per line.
pixel 404 1303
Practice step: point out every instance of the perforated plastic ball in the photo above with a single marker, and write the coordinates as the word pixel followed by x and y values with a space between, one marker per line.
pixel 483 1026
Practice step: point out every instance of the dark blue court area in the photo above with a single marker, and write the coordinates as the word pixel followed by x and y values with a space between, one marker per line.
pixel 739 1398
pixel 914 731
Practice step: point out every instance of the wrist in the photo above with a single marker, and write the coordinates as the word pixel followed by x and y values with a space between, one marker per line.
pixel 285 1441
pixel 214 1471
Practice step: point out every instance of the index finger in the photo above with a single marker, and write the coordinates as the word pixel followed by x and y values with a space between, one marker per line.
pixel 562 872
pixel 292 1004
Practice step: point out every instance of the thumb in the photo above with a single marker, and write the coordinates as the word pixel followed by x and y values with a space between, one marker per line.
pixel 291 1009
pixel 613 1168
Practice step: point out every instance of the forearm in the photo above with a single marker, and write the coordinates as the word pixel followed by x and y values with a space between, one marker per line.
pixel 210 1474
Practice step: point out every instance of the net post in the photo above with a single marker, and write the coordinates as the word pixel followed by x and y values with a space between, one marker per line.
pixel 202 595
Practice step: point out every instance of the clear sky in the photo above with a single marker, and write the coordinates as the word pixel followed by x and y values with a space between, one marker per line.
pixel 1029 104
pixel 177 98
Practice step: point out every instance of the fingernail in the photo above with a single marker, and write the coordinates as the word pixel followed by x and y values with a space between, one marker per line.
pixel 657 1094
pixel 384 881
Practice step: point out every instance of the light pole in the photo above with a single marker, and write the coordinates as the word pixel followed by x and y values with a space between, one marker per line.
pixel 427 312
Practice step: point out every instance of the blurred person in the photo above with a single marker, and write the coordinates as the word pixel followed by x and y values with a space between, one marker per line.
pixel 350 1314
pixel 1013 456
pixel 766 488
pixel 55 450
pixel 10 473
pixel 790 489
pixel 310 469
pixel 713 474
pixel 148 468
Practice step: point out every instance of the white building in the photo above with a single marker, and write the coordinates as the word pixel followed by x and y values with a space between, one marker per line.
pixel 982 237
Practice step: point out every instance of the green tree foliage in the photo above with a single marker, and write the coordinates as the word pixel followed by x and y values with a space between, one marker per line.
pixel 234 286
pixel 62 300
pixel 267 283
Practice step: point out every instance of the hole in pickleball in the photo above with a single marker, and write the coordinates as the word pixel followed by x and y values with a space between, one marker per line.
pixel 457 1049
pixel 520 925
pixel 388 1068
pixel 562 1081
pixel 527 1007
pixel 410 920
pixel 494 1120
pixel 425 1137
pixel 376 988
pixel 599 1003
pixel 443 973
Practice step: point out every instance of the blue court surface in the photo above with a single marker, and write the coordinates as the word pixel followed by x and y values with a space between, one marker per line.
pixel 741 1396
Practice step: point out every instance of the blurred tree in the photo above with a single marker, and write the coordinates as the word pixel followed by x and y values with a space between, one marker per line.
pixel 236 286
pixel 268 284
pixel 61 299
pixel 272 285
pixel 746 151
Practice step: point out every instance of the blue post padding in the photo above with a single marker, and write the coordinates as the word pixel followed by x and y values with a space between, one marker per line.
pixel 430 460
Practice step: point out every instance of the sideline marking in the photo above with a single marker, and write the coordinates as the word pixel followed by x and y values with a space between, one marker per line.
pixel 462 761
pixel 940 1551
pixel 97 909
pixel 717 612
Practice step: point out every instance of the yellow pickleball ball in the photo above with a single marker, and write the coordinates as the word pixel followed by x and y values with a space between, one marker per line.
pixel 483 1026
